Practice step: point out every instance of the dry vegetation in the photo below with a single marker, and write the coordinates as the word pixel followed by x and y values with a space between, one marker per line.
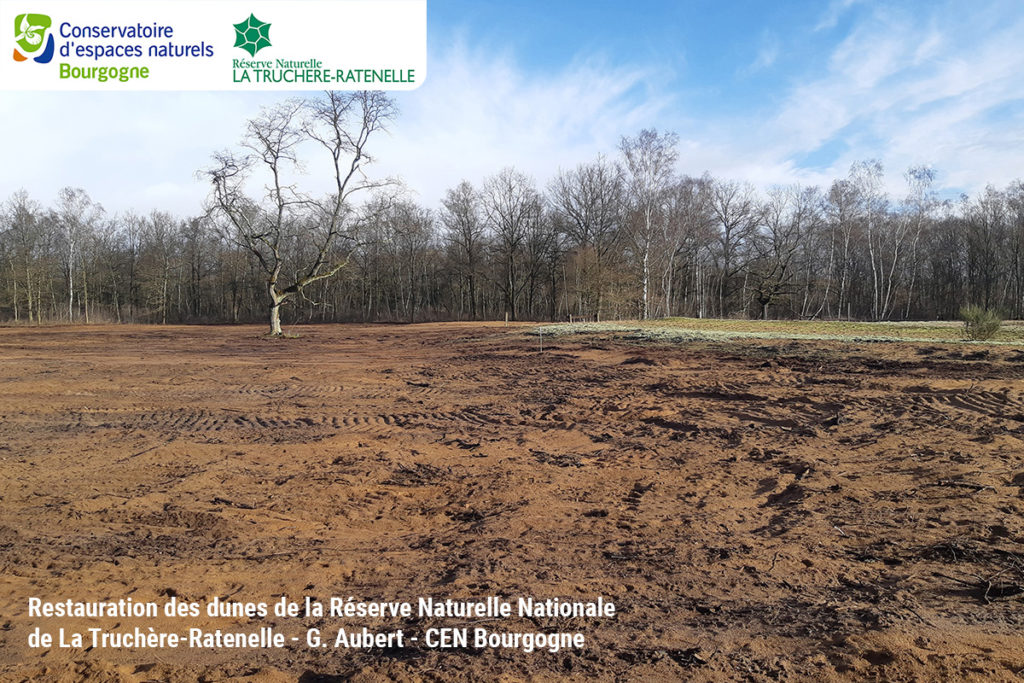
pixel 668 329
pixel 759 508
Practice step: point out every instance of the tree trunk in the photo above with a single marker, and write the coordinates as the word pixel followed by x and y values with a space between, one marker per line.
pixel 276 299
pixel 275 318
pixel 28 295
pixel 71 294
pixel 646 279
pixel 14 281
pixel 85 294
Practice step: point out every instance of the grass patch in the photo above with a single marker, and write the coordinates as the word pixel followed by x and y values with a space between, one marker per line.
pixel 693 329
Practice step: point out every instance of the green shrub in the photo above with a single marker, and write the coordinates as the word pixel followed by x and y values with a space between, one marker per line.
pixel 980 323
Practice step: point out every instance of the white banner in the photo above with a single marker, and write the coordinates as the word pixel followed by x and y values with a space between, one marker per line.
pixel 213 45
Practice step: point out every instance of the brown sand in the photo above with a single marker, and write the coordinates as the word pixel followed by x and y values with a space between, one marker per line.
pixel 756 510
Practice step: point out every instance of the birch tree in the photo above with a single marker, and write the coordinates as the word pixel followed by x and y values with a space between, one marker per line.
pixel 650 160
pixel 76 216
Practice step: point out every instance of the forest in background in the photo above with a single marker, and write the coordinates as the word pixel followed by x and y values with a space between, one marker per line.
pixel 613 238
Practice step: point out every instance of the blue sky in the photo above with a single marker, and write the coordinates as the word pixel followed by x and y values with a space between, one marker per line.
pixel 766 92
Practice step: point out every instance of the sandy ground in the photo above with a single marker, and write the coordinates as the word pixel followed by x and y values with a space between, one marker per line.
pixel 757 511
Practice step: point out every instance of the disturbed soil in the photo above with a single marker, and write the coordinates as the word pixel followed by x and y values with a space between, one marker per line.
pixel 756 510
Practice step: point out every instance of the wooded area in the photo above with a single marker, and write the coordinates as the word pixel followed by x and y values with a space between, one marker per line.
pixel 622 237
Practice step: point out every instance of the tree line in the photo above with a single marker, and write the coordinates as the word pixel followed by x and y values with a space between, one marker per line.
pixel 626 236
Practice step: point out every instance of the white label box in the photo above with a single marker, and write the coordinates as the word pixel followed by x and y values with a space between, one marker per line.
pixel 300 45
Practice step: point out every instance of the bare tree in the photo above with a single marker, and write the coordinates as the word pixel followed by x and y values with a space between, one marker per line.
pixel 541 250
pixel 736 213
pixel 23 237
pixel 841 211
pixel 512 206
pixel 920 202
pixel 686 229
pixel 608 240
pixel 77 215
pixel 866 177
pixel 790 216
pixel 590 200
pixel 1015 208
pixel 986 235
pixel 342 124
pixel 461 217
pixel 411 232
pixel 650 160
pixel 159 260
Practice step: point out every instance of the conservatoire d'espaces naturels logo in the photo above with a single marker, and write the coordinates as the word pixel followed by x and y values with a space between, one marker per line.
pixel 252 35
pixel 33 38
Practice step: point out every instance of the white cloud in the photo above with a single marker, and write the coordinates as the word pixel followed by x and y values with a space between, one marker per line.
pixel 945 90
pixel 909 94
pixel 128 150
pixel 476 113
pixel 479 112
pixel 835 10
pixel 767 54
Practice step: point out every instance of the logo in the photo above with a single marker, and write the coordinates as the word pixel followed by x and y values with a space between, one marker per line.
pixel 252 35
pixel 32 38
